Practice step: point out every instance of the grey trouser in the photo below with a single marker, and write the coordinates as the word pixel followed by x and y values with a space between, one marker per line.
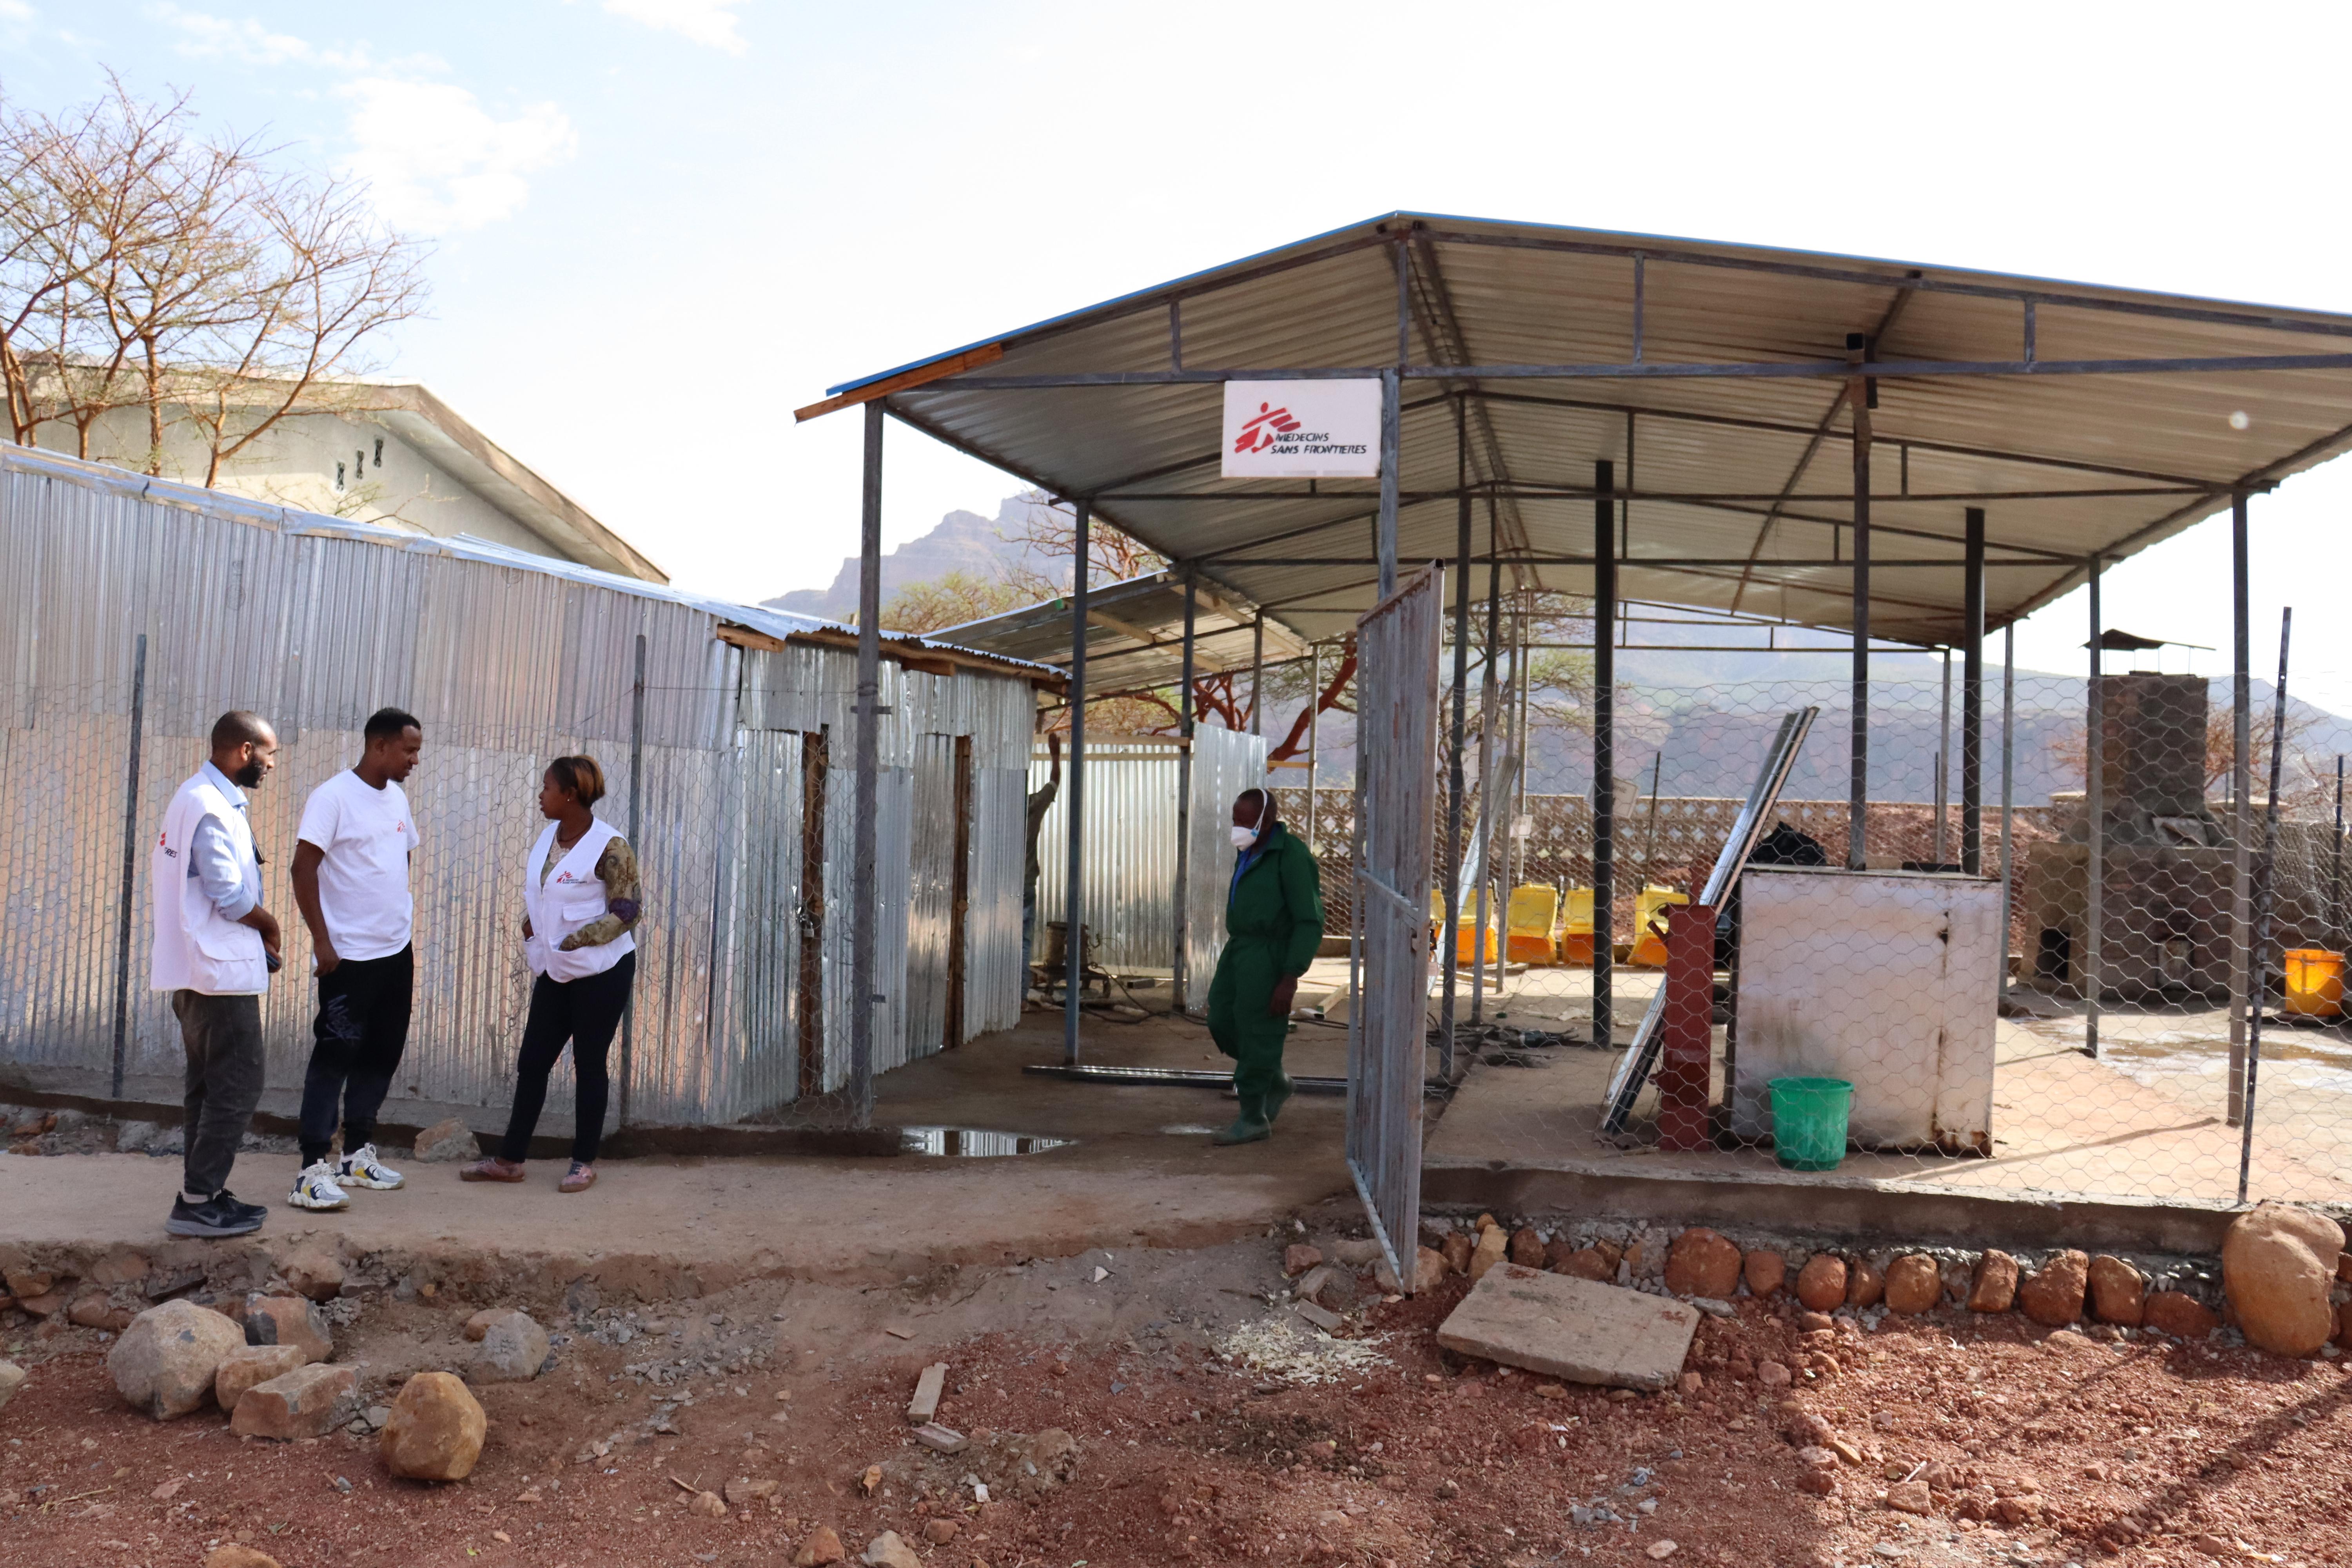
pixel 221 1036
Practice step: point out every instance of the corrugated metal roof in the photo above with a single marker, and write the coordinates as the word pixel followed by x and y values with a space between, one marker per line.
pixel 1135 634
pixel 1740 485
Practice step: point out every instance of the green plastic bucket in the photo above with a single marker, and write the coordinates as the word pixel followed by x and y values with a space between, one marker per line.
pixel 1808 1121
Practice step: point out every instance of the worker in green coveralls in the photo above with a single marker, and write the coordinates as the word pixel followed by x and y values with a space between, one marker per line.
pixel 1274 923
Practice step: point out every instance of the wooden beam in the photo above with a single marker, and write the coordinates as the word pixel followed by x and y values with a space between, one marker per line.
pixel 932 661
pixel 904 381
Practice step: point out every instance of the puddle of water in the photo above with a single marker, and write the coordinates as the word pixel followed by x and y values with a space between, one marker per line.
pixel 972 1142
pixel 1186 1130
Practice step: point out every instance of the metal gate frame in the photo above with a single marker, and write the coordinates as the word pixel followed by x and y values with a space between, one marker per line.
pixel 1397 653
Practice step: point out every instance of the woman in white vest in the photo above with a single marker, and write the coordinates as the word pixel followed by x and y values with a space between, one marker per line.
pixel 580 905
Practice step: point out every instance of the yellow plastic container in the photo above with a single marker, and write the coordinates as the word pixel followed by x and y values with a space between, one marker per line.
pixel 1649 948
pixel 1466 942
pixel 1576 927
pixel 2314 983
pixel 1529 938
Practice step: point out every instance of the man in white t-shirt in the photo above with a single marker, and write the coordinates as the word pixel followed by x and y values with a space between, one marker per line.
pixel 350 879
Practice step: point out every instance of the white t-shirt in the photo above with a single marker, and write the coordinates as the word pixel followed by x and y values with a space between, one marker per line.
pixel 365 835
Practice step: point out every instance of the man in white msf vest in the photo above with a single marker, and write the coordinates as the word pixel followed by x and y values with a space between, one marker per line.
pixel 215 946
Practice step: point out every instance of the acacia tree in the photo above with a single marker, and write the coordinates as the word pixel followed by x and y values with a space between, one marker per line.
pixel 197 279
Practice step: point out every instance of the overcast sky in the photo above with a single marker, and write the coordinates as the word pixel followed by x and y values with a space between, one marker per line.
pixel 663 224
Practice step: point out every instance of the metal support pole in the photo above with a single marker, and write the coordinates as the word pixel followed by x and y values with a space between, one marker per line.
pixel 1389 456
pixel 2095 812
pixel 2266 899
pixel 1524 730
pixel 1857 857
pixel 1604 753
pixel 1181 976
pixel 1487 696
pixel 1454 790
pixel 2008 788
pixel 637 807
pixel 131 865
pixel 1943 767
pixel 2241 834
pixel 1972 618
pixel 1074 905
pixel 1314 735
pixel 2336 872
pixel 865 891
pixel 1257 675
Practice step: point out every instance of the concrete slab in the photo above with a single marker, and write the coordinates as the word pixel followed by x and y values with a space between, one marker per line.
pixel 1575 1330
pixel 928 1389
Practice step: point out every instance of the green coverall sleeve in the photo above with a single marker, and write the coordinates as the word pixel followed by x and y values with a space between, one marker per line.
pixel 1302 894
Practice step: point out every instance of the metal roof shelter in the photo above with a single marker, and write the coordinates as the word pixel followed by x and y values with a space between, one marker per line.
pixel 1891 449
pixel 1715 377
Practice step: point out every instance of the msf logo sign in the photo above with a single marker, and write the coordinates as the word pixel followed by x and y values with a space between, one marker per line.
pixel 1259 434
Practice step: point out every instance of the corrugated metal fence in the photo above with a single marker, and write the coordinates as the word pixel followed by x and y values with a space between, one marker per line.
pixel 1131 849
pixel 315 623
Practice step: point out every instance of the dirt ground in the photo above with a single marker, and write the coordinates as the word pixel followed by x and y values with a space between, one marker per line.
pixel 1203 1435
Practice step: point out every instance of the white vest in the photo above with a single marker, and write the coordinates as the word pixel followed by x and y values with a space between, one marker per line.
pixel 573 895
pixel 196 948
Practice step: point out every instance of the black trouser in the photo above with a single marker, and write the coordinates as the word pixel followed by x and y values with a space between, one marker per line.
pixel 586 1012
pixel 222 1037
pixel 358 1038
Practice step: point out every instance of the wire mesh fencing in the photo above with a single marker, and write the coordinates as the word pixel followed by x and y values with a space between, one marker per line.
pixel 2071 1000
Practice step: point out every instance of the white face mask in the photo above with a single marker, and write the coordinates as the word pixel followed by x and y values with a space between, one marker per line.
pixel 1245 836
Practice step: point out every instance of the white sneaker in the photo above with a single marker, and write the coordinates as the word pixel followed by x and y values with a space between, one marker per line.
pixel 315 1188
pixel 360 1168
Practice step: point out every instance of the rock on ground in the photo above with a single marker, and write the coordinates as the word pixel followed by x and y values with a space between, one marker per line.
pixel 435 1431
pixel 94 1311
pixel 2277 1265
pixel 1456 1248
pixel 1299 1257
pixel 1493 1245
pixel 1764 1271
pixel 1579 1262
pixel 249 1366
pixel 288 1321
pixel 309 1402
pixel 2179 1314
pixel 513 1349
pixel 1356 1252
pixel 1910 1496
pixel 445 1141
pixel 1703 1263
pixel 1865 1284
pixel 233 1555
pixel 314 1270
pixel 1993 1287
pixel 12 1378
pixel 165 1361
pixel 887 1551
pixel 1527 1248
pixel 1820 1283
pixel 822 1547
pixel 1913 1284
pixel 2052 1294
pixel 2118 1291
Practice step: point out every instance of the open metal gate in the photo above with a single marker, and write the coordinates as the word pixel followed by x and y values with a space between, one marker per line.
pixel 1397 670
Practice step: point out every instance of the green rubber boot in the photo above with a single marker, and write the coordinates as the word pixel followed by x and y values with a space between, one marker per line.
pixel 1252 1126
pixel 1277 1096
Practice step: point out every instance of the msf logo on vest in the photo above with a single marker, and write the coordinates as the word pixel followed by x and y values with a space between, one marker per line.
pixel 1271 425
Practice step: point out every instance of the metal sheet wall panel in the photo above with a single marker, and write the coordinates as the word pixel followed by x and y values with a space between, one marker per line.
pixel 930 906
pixel 1129 852
pixel 316 623
pixel 1224 763
pixel 997 968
